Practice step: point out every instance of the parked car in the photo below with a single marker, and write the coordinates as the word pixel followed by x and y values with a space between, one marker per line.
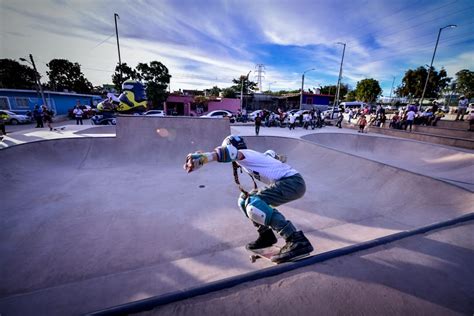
pixel 15 119
pixel 220 114
pixel 155 113
pixel 254 114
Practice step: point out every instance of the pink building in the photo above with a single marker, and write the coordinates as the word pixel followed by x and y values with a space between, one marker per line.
pixel 185 105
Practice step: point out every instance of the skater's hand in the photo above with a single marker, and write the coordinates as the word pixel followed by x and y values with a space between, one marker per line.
pixel 194 161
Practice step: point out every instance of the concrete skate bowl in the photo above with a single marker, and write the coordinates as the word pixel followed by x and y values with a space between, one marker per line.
pixel 91 223
pixel 453 165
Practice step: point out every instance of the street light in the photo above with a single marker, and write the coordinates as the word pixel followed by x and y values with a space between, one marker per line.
pixel 118 45
pixel 432 59
pixel 37 77
pixel 302 87
pixel 242 89
pixel 336 101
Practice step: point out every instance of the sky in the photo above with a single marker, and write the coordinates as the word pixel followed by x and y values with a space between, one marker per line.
pixel 206 43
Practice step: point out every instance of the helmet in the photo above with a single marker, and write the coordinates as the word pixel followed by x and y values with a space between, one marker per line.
pixel 234 140
pixel 271 153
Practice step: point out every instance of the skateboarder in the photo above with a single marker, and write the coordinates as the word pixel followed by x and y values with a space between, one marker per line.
pixel 284 184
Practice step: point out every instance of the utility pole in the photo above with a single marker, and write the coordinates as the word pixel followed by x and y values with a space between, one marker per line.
pixel 432 59
pixel 118 45
pixel 38 80
pixel 302 87
pixel 336 101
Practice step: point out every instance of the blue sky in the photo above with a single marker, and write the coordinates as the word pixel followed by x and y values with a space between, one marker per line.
pixel 209 42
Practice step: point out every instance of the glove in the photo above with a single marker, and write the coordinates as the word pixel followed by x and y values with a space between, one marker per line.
pixel 195 161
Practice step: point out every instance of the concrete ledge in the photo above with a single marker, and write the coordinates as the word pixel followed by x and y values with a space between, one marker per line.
pixel 442 131
pixel 436 139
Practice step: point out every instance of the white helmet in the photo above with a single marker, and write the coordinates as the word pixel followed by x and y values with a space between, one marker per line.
pixel 271 153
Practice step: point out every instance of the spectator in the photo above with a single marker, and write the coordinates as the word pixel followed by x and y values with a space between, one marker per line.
pixel 410 117
pixel 438 116
pixel 292 120
pixel 351 115
pixel 3 120
pixel 383 119
pixel 48 117
pixel 340 117
pixel 394 123
pixel 38 116
pixel 78 113
pixel 462 108
pixel 471 120
pixel 258 123
pixel 361 122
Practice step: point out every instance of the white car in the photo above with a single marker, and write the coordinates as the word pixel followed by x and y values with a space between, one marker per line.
pixel 218 114
pixel 15 119
pixel 254 114
pixel 155 113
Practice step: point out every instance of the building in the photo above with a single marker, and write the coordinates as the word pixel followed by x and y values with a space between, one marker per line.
pixel 190 105
pixel 22 101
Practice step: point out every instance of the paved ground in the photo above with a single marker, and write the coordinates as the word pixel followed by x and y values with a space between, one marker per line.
pixel 99 220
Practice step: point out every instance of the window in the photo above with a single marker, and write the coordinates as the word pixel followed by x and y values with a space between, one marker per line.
pixel 22 103
pixel 4 103
pixel 309 100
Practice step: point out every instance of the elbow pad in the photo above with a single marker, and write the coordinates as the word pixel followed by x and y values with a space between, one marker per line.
pixel 226 153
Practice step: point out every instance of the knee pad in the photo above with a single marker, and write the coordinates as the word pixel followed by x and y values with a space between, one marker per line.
pixel 258 211
pixel 242 201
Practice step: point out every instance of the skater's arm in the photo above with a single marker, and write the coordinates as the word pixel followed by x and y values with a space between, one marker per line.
pixel 220 154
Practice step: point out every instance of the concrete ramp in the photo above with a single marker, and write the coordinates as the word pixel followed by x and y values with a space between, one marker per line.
pixel 90 223
pixel 449 164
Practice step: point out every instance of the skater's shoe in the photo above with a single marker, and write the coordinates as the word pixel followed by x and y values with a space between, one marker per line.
pixel 296 245
pixel 265 239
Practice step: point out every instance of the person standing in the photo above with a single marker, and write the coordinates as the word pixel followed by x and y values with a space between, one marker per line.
pixel 462 108
pixel 351 115
pixel 258 123
pixel 48 117
pixel 78 114
pixel 292 121
pixel 339 119
pixel 410 118
pixel 362 122
pixel 3 121
pixel 38 116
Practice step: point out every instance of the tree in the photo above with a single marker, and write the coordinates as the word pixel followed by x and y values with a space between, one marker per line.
pixel 65 75
pixel 228 93
pixel 156 78
pixel 351 96
pixel 248 85
pixel 368 90
pixel 215 91
pixel 465 82
pixel 414 81
pixel 127 73
pixel 332 90
pixel 14 75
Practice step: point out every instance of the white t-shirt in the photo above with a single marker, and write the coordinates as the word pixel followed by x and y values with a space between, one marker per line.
pixel 264 168
pixel 463 103
pixel 411 116
pixel 292 119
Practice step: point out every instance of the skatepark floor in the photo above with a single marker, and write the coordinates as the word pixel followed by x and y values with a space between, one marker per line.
pixel 95 217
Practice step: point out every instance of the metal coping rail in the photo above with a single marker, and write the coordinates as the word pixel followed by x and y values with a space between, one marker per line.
pixel 153 302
